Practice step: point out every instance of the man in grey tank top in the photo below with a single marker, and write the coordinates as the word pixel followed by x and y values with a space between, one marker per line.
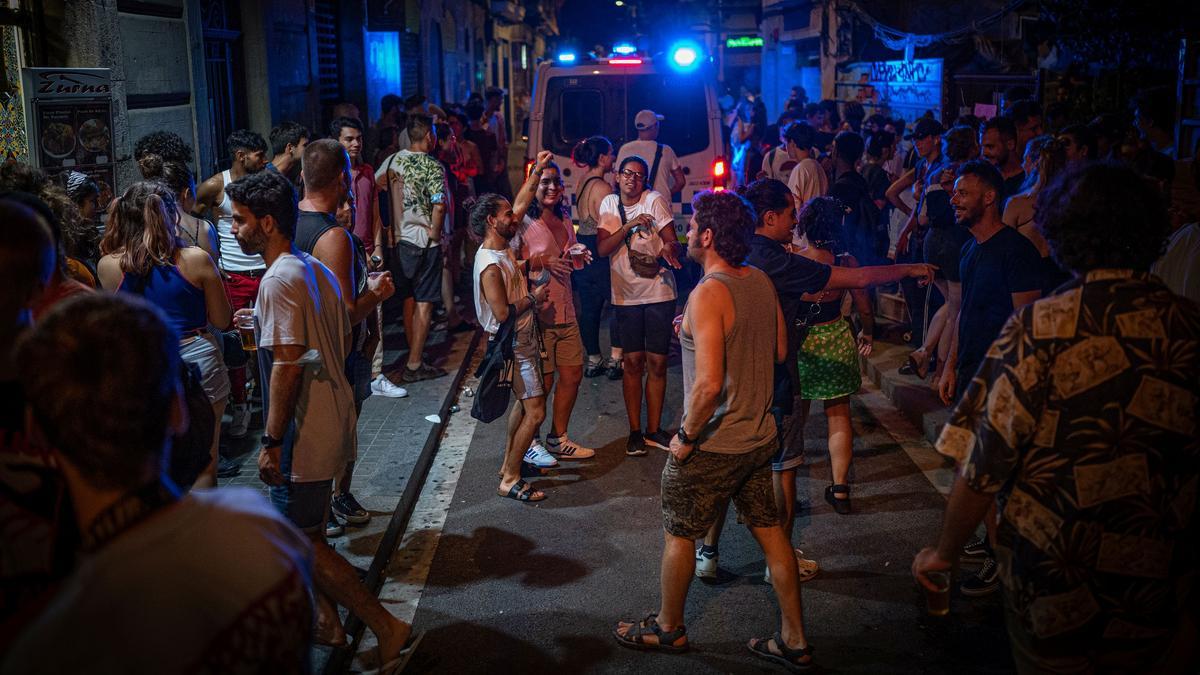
pixel 727 437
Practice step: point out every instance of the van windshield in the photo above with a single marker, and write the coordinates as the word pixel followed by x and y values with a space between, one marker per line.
pixel 585 105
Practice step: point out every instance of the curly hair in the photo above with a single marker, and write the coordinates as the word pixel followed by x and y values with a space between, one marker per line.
pixel 1102 215
pixel 165 144
pixel 267 193
pixel 243 139
pixel 80 238
pixel 959 144
pixel 821 221
pixel 731 220
pixel 141 227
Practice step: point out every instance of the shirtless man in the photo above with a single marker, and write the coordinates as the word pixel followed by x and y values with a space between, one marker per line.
pixel 241 271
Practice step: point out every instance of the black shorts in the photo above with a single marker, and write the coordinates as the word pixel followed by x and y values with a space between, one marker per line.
pixel 943 248
pixel 645 328
pixel 417 272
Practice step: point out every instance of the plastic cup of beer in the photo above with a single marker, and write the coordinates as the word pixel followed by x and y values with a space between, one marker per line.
pixel 937 603
pixel 578 254
pixel 245 325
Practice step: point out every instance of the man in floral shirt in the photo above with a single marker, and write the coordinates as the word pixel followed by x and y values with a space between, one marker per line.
pixel 416 185
pixel 1081 423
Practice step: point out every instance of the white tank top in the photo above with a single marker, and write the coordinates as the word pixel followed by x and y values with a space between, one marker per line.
pixel 233 259
pixel 514 285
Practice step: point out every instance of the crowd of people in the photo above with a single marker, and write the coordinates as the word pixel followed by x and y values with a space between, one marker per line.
pixel 268 281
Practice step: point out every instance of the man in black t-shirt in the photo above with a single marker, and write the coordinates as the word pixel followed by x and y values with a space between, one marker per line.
pixel 850 188
pixel 1000 271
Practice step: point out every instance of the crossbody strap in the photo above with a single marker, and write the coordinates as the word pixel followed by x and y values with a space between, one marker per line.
pixel 658 153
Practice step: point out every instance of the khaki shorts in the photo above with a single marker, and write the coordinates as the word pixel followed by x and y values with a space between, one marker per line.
pixel 564 347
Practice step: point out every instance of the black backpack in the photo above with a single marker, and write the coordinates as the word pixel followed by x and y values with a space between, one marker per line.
pixel 190 450
pixel 495 372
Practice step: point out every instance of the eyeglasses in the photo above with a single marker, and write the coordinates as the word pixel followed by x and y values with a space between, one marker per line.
pixel 633 175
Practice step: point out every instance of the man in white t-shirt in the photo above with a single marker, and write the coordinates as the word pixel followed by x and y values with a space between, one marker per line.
pixel 636 230
pixel 807 179
pixel 214 581
pixel 303 339
pixel 668 178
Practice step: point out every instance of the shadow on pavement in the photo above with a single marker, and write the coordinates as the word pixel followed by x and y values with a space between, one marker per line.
pixel 491 553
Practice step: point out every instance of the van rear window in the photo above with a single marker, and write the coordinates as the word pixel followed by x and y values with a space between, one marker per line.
pixel 586 105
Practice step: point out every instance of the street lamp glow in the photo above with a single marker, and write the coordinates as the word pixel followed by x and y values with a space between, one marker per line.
pixel 619 3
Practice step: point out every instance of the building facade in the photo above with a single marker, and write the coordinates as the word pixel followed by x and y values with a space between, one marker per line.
pixel 204 68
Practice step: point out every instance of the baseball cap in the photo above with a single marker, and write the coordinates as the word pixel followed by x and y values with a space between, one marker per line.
pixel 646 119
pixel 925 127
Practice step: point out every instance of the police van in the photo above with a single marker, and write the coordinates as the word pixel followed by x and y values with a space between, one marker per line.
pixel 576 97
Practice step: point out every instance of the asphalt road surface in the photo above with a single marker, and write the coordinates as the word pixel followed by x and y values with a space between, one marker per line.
pixel 502 586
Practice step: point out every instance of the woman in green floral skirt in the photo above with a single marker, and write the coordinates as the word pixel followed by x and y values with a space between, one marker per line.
pixel 828 362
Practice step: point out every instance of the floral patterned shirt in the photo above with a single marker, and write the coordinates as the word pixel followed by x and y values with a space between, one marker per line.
pixel 1082 419
pixel 415 181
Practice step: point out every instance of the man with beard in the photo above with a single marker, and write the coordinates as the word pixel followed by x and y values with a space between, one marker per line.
pixel 241 271
pixel 731 336
pixel 1000 273
pixel 998 145
pixel 500 289
pixel 303 338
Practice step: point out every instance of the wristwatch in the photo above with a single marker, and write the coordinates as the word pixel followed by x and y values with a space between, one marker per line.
pixel 269 441
pixel 683 436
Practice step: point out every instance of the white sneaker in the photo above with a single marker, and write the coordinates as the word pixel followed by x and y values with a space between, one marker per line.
pixel 382 386
pixel 568 449
pixel 807 568
pixel 537 455
pixel 240 423
pixel 706 564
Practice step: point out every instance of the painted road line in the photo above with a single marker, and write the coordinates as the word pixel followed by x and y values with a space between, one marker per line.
pixel 908 437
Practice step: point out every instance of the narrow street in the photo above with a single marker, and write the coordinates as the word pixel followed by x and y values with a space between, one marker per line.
pixel 504 586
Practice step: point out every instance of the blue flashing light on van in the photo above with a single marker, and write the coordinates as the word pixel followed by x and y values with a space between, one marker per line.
pixel 624 49
pixel 566 57
pixel 685 55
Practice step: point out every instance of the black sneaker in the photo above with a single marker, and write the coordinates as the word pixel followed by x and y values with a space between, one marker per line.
pixel 635 446
pixel 615 371
pixel 348 508
pixel 333 528
pixel 976 551
pixel 984 582
pixel 594 368
pixel 659 439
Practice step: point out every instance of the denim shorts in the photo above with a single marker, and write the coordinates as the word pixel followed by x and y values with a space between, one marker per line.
pixel 306 505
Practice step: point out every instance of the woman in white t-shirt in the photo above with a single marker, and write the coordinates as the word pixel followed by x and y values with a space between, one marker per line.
pixel 637 231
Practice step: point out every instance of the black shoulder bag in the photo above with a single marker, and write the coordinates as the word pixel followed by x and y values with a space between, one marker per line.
pixel 495 372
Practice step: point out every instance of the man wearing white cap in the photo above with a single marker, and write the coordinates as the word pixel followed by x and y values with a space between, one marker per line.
pixel 666 174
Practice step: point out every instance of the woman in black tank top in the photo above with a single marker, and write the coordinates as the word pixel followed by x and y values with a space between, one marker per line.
pixel 829 358
pixel 592 282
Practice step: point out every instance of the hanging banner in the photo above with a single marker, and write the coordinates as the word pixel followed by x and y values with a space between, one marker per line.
pixel 907 89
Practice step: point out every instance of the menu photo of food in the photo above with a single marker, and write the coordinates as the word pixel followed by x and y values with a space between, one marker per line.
pixel 94 135
pixel 58 140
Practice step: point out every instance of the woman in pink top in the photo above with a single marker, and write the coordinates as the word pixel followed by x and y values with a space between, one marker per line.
pixel 549 236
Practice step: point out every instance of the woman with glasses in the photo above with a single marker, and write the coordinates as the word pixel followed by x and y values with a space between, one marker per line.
pixel 598 156
pixel 143 255
pixel 636 232
pixel 828 362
